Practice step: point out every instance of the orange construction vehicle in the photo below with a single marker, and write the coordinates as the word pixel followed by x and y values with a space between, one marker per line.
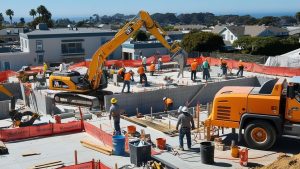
pixel 262 114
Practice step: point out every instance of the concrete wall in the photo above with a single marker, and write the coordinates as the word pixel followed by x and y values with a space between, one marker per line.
pixel 16 60
pixel 4 109
pixel 181 95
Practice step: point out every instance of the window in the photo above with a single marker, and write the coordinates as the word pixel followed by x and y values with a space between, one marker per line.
pixel 6 66
pixel 40 58
pixel 72 48
pixel 59 84
pixel 224 37
pixel 39 45
pixel 231 37
pixel 25 43
pixel 21 43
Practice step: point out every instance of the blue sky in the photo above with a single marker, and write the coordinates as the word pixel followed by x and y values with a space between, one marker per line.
pixel 81 8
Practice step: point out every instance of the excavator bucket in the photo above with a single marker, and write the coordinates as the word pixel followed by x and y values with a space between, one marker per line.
pixel 181 58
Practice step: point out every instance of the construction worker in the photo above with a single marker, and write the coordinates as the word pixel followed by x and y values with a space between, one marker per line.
pixel 224 66
pixel 141 72
pixel 168 102
pixel 144 62
pixel 16 117
pixel 115 112
pixel 127 78
pixel 186 123
pixel 121 72
pixel 159 65
pixel 45 68
pixel 206 67
pixel 152 68
pixel 194 66
pixel 241 68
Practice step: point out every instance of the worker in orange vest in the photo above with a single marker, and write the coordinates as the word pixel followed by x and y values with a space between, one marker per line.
pixel 141 72
pixel 224 66
pixel 241 68
pixel 194 66
pixel 152 68
pixel 121 72
pixel 168 102
pixel 127 78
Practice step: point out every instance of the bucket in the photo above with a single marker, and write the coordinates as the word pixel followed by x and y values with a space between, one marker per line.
pixel 118 144
pixel 207 150
pixel 57 119
pixel 161 143
pixel 131 129
pixel 235 151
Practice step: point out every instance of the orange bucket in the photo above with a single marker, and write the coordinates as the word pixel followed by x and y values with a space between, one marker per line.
pixel 131 129
pixel 161 143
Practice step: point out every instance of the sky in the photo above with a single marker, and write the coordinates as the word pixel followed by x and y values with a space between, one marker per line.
pixel 85 8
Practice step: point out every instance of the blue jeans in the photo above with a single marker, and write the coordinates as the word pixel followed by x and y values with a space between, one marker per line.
pixel 126 83
pixel 187 132
pixel 117 127
pixel 240 71
pixel 224 70
pixel 206 74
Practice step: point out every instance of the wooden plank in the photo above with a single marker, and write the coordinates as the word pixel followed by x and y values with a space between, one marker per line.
pixel 52 162
pixel 30 154
pixel 105 148
pixel 98 148
pixel 133 121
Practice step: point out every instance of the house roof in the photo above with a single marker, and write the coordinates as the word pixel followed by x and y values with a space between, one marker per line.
pixel 236 30
pixel 66 32
pixel 254 30
pixel 218 28
pixel 12 31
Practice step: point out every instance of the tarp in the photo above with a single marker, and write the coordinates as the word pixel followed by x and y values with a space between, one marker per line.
pixel 87 165
pixel 290 59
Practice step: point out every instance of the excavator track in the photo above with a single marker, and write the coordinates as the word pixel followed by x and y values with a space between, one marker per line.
pixel 92 100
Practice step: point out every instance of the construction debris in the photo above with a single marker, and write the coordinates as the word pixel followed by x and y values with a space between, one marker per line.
pixel 53 164
pixel 30 154
pixel 285 162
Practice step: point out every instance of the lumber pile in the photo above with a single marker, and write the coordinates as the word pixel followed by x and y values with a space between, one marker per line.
pixel 96 147
pixel 47 165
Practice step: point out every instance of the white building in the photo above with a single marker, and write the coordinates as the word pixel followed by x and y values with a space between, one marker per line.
pixel 57 45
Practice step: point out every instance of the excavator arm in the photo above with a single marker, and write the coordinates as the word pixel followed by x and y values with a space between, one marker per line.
pixel 10 95
pixel 94 72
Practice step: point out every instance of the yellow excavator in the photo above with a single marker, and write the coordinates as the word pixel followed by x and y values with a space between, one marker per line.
pixel 15 115
pixel 77 87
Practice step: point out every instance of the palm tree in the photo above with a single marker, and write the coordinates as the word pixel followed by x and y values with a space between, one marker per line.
pixel 10 13
pixel 32 13
pixel 41 10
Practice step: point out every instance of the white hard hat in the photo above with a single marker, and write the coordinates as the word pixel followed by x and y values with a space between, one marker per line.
pixel 164 98
pixel 179 109
pixel 184 109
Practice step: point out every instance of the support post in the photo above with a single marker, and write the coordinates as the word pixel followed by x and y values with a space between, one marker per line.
pixel 75 157
pixel 151 113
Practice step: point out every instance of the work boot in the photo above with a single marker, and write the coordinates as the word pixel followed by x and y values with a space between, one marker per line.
pixel 180 148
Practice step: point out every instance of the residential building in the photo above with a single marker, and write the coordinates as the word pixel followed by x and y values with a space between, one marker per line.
pixel 11 34
pixel 232 33
pixel 57 45
pixel 133 50
pixel 189 27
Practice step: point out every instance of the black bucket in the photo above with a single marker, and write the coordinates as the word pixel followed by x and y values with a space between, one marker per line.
pixel 207 150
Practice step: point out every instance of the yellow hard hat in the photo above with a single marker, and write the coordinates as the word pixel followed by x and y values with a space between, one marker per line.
pixel 113 100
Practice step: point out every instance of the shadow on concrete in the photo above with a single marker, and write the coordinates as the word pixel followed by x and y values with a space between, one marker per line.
pixel 284 145
pixel 252 165
pixel 222 164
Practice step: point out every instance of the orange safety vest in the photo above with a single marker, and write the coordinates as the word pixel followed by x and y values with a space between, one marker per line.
pixel 168 101
pixel 141 70
pixel 127 76
pixel 120 71
pixel 152 67
pixel 241 64
pixel 194 66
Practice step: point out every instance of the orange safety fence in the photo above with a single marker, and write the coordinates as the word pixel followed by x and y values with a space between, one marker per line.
pixel 40 130
pixel 87 165
pixel 98 133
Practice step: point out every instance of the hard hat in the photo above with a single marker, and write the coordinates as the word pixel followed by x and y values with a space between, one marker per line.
pixel 159 59
pixel 152 62
pixel 113 100
pixel 164 98
pixel 179 109
pixel 195 60
pixel 130 70
pixel 240 60
pixel 184 109
pixel 221 58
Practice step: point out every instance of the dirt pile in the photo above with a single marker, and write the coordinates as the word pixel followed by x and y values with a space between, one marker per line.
pixel 285 162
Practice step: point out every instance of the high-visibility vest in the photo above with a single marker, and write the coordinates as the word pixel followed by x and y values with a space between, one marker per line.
pixel 141 70
pixel 224 63
pixel 152 67
pixel 168 101
pixel 194 66
pixel 120 71
pixel 241 64
pixel 127 76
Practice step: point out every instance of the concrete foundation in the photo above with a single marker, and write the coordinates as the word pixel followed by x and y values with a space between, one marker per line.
pixel 4 109
pixel 142 102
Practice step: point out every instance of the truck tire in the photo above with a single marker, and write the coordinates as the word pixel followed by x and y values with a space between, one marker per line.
pixel 260 135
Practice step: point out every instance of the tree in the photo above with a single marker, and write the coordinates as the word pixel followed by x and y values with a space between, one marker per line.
pixel 140 36
pixel 298 17
pixel 41 10
pixel 1 20
pixel 22 21
pixel 10 13
pixel 32 13
pixel 97 18
pixel 202 42
pixel 44 17
pixel 269 21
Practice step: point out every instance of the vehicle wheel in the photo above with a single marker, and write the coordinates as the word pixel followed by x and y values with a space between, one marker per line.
pixel 260 135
